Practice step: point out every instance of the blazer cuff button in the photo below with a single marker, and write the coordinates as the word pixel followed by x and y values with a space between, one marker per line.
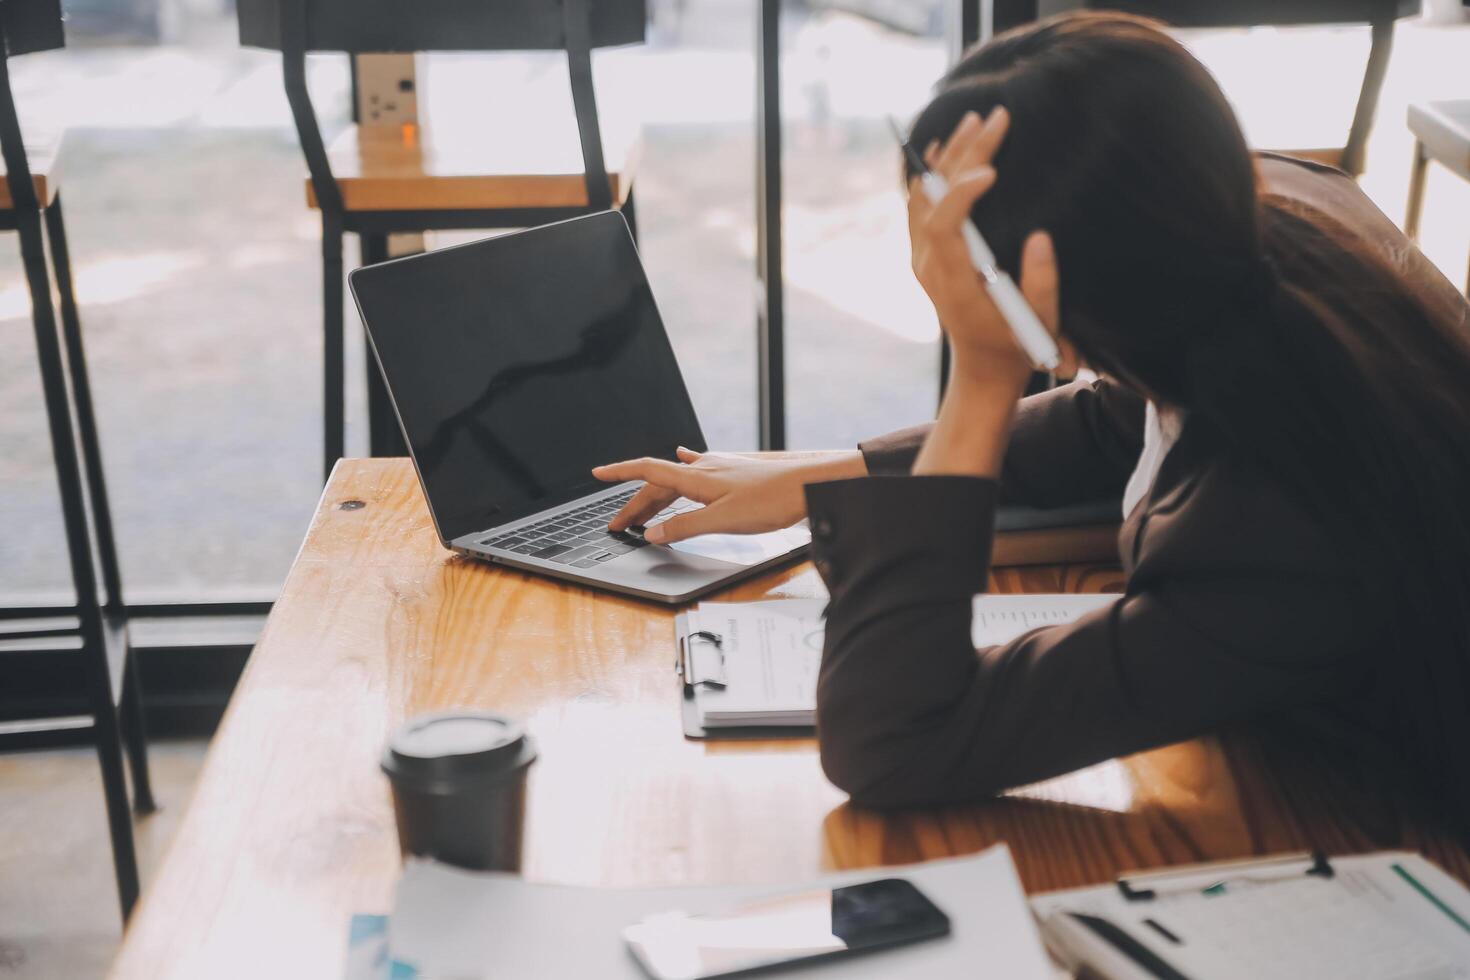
pixel 822 528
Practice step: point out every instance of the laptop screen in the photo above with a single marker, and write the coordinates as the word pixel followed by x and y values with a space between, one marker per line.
pixel 518 363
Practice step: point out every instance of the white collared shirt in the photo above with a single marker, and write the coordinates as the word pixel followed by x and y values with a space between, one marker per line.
pixel 1161 430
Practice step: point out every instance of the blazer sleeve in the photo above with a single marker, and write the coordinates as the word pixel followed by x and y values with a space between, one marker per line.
pixel 1073 444
pixel 910 713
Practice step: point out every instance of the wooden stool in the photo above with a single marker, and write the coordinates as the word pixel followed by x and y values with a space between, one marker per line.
pixel 94 630
pixel 428 168
pixel 374 181
pixel 1441 133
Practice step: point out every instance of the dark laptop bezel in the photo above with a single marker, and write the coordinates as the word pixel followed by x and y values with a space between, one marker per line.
pixel 440 255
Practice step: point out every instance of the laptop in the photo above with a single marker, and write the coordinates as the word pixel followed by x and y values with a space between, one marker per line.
pixel 517 364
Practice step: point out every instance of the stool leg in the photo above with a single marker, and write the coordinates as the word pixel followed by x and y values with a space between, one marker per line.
pixel 136 735
pixel 71 332
pixel 1355 152
pixel 108 738
pixel 27 211
pixel 69 479
pixel 333 393
pixel 1416 191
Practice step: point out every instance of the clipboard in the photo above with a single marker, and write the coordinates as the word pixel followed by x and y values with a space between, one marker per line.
pixel 706 660
pixel 699 661
pixel 1199 922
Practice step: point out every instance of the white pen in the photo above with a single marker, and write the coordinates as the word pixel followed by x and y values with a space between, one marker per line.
pixel 1026 327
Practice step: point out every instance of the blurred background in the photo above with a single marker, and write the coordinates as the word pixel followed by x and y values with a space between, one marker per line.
pixel 197 261
pixel 197 269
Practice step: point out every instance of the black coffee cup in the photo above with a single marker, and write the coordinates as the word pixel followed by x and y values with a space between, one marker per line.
pixel 459 788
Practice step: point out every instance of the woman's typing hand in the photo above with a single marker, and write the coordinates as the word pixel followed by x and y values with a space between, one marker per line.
pixel 742 494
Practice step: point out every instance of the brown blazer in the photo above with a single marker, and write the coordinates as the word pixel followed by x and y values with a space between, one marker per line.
pixel 1238 603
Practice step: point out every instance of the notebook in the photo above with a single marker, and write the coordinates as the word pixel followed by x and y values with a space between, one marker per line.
pixel 750 668
pixel 1386 916
pixel 448 923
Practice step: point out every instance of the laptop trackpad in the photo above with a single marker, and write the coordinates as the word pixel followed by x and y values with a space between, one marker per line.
pixel 746 549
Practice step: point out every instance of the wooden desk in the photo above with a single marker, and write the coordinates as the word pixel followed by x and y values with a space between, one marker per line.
pixel 291 830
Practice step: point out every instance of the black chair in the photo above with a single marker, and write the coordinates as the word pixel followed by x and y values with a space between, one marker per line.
pixel 1380 14
pixel 92 634
pixel 372 183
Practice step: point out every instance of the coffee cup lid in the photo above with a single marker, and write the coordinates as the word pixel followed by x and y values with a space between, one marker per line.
pixel 456 745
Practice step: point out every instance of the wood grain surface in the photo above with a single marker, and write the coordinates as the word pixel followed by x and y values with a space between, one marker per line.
pixel 291 829
pixel 445 167
pixel 43 156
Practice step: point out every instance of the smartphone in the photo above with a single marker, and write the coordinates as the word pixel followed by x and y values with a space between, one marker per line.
pixel 785 929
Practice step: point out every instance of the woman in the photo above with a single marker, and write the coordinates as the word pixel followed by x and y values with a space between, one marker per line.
pixel 1285 403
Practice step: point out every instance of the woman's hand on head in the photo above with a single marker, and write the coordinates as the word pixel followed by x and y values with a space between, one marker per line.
pixel 741 494
pixel 978 334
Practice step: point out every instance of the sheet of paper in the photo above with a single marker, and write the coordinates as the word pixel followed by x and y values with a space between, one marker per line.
pixel 1001 618
pixel 458 925
pixel 1369 921
pixel 771 650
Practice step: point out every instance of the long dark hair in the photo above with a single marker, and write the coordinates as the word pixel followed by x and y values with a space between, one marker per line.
pixel 1290 341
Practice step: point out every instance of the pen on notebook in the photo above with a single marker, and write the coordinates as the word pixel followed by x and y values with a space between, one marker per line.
pixel 1093 942
pixel 1030 333
pixel 1129 947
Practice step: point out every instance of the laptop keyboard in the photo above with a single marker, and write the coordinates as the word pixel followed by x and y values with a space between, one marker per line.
pixel 578 536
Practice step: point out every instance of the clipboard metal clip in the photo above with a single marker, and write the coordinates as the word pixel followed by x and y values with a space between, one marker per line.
pixel 1148 887
pixel 696 671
